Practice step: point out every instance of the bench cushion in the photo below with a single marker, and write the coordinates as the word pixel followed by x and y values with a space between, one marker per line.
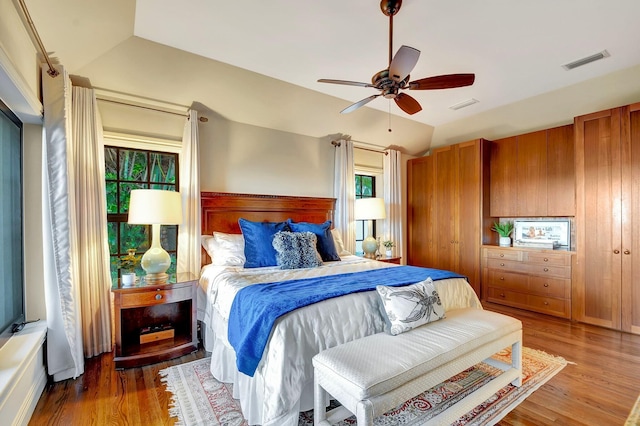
pixel 377 364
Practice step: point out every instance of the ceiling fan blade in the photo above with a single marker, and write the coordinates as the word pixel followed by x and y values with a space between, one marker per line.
pixel 403 62
pixel 448 81
pixel 345 82
pixel 407 103
pixel 358 104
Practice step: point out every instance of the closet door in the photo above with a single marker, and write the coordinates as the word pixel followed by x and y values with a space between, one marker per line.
pixel 468 223
pixel 597 279
pixel 631 219
pixel 420 212
pixel 503 190
pixel 446 206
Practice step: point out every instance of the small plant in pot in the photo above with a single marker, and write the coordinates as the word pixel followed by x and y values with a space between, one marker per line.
pixel 388 246
pixel 504 230
pixel 127 266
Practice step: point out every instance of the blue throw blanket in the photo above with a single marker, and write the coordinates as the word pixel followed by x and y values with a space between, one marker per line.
pixel 256 307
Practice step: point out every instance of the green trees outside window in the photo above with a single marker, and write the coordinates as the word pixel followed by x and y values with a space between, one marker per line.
pixel 365 188
pixel 127 169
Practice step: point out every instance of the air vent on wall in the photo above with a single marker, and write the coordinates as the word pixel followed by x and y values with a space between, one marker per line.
pixel 586 60
pixel 464 104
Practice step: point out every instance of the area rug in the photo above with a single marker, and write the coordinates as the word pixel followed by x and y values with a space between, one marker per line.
pixel 199 399
pixel 634 415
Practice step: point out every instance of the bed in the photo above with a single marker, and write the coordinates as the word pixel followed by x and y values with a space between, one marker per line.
pixel 282 384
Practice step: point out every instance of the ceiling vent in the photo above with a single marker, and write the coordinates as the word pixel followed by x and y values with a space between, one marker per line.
pixel 586 60
pixel 464 104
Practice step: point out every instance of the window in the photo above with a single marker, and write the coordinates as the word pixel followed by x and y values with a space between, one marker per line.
pixel 127 169
pixel 11 225
pixel 365 188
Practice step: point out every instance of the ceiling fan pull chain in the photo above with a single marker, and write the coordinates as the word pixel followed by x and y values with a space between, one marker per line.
pixel 389 116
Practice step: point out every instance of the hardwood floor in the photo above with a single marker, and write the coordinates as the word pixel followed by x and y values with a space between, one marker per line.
pixel 598 389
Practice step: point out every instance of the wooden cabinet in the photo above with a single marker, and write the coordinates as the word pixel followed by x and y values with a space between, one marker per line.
pixel 446 207
pixel 536 280
pixel 532 175
pixel 392 259
pixel 155 322
pixel 607 275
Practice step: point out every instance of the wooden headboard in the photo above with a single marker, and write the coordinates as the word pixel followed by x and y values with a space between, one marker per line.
pixel 221 211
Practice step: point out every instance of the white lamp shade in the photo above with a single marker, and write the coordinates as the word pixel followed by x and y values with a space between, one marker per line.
pixel 155 206
pixel 370 209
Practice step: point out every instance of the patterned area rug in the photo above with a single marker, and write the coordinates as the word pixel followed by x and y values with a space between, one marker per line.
pixel 199 399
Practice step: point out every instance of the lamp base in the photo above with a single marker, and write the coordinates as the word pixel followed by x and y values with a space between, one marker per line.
pixel 160 278
pixel 370 247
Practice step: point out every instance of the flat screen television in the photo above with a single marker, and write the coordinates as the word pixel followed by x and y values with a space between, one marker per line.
pixel 12 299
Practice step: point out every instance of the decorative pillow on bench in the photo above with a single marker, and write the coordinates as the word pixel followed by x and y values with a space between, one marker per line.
pixel 411 306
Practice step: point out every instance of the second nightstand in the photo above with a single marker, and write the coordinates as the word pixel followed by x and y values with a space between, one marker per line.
pixel 391 259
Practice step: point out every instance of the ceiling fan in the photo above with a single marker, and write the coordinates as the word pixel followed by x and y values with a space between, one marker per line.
pixel 392 80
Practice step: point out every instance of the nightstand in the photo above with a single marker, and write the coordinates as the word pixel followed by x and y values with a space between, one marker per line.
pixel 155 322
pixel 391 259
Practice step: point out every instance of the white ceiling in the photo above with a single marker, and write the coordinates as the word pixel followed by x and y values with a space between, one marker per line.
pixel 516 48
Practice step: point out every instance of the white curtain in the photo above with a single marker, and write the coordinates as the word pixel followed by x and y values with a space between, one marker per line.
pixel 62 294
pixel 86 169
pixel 189 232
pixel 344 190
pixel 393 199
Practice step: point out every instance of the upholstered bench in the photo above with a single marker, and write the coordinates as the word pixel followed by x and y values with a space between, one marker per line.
pixel 372 375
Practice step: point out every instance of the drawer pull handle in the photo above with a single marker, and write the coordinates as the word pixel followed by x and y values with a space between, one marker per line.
pixel 546 260
pixel 546 269
pixel 616 251
pixel 546 303
pixel 158 296
pixel 627 252
pixel 502 264
pixel 546 284
pixel 501 254
pixel 501 278
pixel 451 241
pixel 501 294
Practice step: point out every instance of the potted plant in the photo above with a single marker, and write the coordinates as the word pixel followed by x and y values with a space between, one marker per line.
pixel 504 230
pixel 388 245
pixel 127 266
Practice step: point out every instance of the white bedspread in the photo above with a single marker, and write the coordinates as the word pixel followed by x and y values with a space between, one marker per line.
pixel 283 382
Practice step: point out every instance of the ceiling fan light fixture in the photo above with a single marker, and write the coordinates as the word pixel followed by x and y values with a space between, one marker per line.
pixel 586 60
pixel 464 104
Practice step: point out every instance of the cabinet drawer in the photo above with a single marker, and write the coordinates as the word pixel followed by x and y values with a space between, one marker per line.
pixel 495 253
pixel 554 287
pixel 552 259
pixel 549 271
pixel 507 280
pixel 542 304
pixel 148 298
pixel 549 305
pixel 505 265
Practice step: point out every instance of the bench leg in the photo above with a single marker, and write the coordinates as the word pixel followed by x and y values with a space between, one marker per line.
pixel 364 413
pixel 516 361
pixel 319 397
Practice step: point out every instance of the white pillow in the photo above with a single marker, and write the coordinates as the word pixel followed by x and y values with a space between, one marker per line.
pixel 224 249
pixel 411 306
pixel 337 240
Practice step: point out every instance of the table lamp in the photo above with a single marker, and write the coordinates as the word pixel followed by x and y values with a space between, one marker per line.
pixel 370 209
pixel 155 207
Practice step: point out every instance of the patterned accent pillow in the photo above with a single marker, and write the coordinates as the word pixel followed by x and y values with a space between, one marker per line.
pixel 296 250
pixel 411 306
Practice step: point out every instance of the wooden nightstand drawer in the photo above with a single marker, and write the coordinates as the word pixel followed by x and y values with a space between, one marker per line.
pixel 149 298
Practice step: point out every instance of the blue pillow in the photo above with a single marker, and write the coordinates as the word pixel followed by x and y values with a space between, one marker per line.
pixel 258 242
pixel 296 250
pixel 325 245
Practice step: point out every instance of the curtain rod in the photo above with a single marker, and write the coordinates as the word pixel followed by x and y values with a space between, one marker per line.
pixel 337 144
pixel 32 28
pixel 181 114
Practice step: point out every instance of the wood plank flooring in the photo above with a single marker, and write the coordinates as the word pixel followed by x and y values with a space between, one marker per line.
pixel 599 389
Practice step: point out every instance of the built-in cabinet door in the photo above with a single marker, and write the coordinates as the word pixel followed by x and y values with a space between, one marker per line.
pixel 503 191
pixel 420 198
pixel 446 209
pixel 598 273
pixel 469 201
pixel 561 182
pixel 631 219
pixel 531 182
